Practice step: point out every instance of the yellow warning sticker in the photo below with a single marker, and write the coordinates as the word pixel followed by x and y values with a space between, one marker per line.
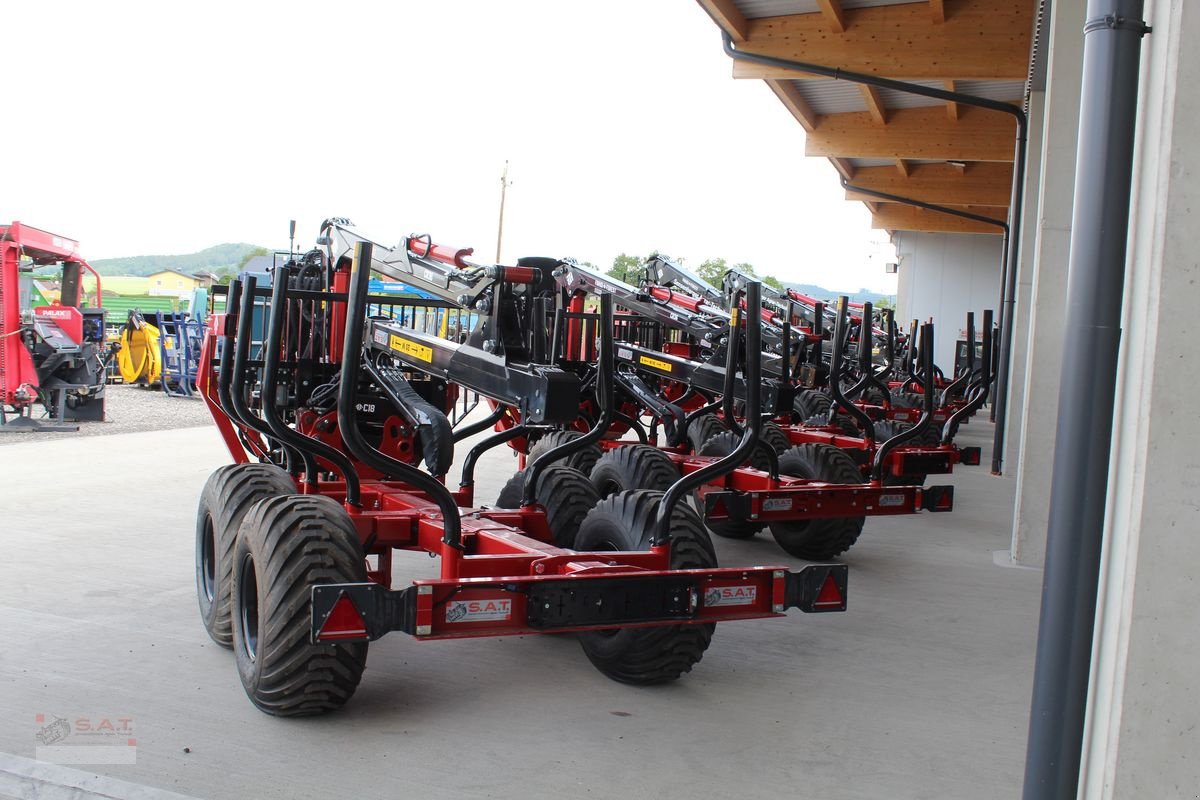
pixel 654 363
pixel 410 348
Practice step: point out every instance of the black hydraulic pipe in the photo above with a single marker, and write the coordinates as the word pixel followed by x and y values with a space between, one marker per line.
pixel 473 455
pixel 356 443
pixel 1095 283
pixel 977 391
pixel 889 320
pixel 968 373
pixel 881 452
pixel 482 425
pixel 1012 242
pixel 241 358
pixel 269 382
pixel 308 447
pixel 835 375
pixel 605 396
pixel 751 436
pixel 731 361
pixel 866 349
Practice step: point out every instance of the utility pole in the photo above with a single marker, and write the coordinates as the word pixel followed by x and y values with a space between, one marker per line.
pixel 500 228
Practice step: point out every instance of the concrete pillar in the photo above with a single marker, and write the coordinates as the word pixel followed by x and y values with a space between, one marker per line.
pixel 1038 413
pixel 1143 727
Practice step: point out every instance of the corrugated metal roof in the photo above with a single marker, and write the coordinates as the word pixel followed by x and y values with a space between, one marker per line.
pixel 859 163
pixel 832 97
pixel 841 97
pixel 757 9
pixel 992 90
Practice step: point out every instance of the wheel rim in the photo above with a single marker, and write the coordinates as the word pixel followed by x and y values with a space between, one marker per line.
pixel 208 560
pixel 605 488
pixel 248 606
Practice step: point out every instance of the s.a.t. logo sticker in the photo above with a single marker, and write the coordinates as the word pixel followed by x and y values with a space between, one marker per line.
pixel 478 610
pixel 730 595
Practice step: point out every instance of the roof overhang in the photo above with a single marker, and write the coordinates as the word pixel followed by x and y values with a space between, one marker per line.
pixel 884 140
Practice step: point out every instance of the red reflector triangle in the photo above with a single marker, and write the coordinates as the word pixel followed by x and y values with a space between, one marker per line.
pixel 344 621
pixel 830 595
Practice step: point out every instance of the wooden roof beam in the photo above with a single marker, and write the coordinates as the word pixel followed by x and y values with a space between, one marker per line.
pixel 844 168
pixel 938 9
pixel 951 108
pixel 727 16
pixel 902 167
pixel 834 16
pixel 981 40
pixel 895 217
pixel 986 185
pixel 874 103
pixel 794 102
pixel 915 133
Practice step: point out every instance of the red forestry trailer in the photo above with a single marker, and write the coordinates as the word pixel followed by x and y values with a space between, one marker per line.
pixel 52 354
pixel 327 420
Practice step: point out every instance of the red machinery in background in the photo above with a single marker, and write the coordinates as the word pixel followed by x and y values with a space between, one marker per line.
pixel 52 354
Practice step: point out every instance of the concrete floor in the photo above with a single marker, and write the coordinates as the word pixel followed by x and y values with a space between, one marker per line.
pixel 920 690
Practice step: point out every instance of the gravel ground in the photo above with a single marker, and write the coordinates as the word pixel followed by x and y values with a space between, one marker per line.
pixel 130 409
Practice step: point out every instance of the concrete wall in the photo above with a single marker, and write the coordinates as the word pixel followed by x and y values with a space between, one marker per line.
pixel 1144 708
pixel 945 275
pixel 1036 414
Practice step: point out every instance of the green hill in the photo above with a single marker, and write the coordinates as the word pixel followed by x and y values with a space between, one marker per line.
pixel 821 293
pixel 210 259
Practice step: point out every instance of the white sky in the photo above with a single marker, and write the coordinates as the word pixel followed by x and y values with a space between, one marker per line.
pixel 166 127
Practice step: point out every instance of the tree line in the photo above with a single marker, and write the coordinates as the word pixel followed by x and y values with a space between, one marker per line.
pixel 628 268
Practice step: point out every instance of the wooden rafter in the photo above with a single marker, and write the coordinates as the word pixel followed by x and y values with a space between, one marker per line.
pixel 986 185
pixel 844 168
pixel 915 133
pixel 938 9
pixel 981 40
pixel 895 217
pixel 835 17
pixel 794 102
pixel 951 108
pixel 902 167
pixel 726 14
pixel 874 103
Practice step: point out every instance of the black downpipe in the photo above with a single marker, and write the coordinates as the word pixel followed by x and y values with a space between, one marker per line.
pixel 605 396
pixel 356 312
pixel 1012 244
pixel 1078 494
pixel 308 447
pixel 753 428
